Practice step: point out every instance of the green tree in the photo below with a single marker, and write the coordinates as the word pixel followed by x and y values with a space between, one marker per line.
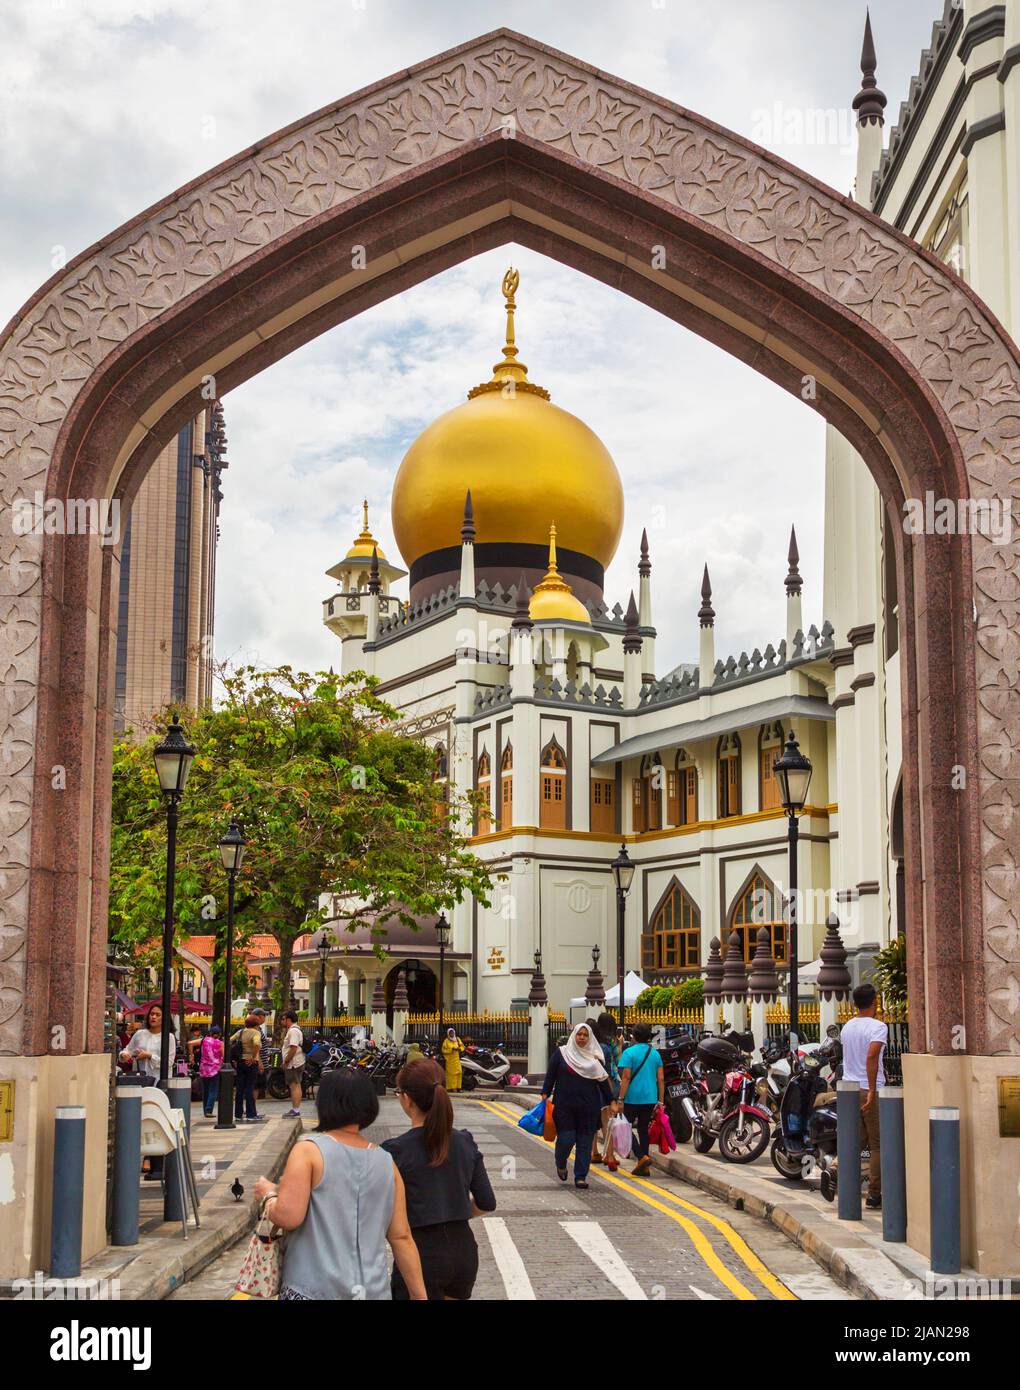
pixel 889 973
pixel 690 994
pixel 331 801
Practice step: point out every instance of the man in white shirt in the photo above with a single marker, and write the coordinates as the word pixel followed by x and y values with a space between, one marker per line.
pixel 293 1061
pixel 864 1041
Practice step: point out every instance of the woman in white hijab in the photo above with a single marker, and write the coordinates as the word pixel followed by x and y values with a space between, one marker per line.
pixel 577 1084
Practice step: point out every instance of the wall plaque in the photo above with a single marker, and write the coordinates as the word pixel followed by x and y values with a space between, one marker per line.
pixel 6 1111
pixel 1009 1107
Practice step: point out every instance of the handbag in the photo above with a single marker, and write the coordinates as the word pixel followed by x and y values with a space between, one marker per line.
pixel 262 1267
pixel 549 1125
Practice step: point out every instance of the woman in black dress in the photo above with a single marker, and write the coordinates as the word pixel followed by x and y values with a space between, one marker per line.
pixel 445 1181
pixel 578 1085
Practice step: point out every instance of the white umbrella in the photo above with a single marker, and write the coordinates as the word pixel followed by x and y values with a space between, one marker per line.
pixel 632 987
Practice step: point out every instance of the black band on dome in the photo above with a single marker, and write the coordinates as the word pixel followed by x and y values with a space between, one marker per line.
pixel 514 555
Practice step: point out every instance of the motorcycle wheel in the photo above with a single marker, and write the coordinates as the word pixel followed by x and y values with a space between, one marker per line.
pixel 681 1125
pixel 827 1185
pixel 753 1136
pixel 786 1165
pixel 276 1084
pixel 703 1141
pixel 468 1081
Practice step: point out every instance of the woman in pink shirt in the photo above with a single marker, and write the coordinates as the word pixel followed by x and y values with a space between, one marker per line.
pixel 210 1061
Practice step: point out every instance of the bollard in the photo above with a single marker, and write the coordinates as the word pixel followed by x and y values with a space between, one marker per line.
pixel 175 1202
pixel 225 1099
pixel 848 1150
pixel 944 1152
pixel 127 1163
pixel 68 1191
pixel 894 1163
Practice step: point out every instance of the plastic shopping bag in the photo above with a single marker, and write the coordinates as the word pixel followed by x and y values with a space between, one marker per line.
pixel 549 1128
pixel 655 1130
pixel 623 1136
pixel 534 1121
pixel 666 1133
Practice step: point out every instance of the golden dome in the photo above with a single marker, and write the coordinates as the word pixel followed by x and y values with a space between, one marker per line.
pixel 552 600
pixel 365 543
pixel 523 459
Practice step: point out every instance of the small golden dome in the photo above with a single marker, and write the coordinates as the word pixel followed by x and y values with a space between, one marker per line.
pixel 552 599
pixel 365 543
pixel 522 458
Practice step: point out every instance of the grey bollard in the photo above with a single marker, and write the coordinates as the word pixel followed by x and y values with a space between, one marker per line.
pixel 848 1150
pixel 944 1151
pixel 175 1202
pixel 894 1163
pixel 68 1191
pixel 127 1163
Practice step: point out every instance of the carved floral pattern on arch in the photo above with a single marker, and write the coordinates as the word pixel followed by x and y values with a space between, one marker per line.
pixel 504 84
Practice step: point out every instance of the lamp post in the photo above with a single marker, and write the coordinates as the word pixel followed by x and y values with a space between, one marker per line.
pixel 231 849
pixel 442 936
pixel 623 876
pixel 173 758
pixel 322 946
pixel 793 770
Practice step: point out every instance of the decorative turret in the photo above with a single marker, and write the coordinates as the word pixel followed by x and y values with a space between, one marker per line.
pixel 374 582
pixel 522 647
pixel 714 970
pixel 631 657
pixel 400 1000
pixel 794 584
pixel 706 641
pixel 764 979
pixel 594 989
pixel 537 994
pixel 645 608
pixel 833 977
pixel 733 985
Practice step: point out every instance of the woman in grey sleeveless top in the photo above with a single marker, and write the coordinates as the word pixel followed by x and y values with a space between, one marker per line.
pixel 340 1200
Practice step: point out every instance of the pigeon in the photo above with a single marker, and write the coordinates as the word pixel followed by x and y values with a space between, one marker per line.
pixel 237 1188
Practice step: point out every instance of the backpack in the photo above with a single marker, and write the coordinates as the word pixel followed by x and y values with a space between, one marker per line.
pixel 236 1050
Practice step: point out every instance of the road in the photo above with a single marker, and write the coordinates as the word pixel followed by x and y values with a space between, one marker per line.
pixel 625 1238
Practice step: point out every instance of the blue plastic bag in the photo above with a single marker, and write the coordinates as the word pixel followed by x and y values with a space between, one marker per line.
pixel 534 1121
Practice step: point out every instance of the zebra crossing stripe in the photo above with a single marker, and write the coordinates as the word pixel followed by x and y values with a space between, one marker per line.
pixel 593 1240
pixel 508 1259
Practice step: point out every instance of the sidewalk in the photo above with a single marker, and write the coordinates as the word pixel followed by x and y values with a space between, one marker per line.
pixel 853 1252
pixel 162 1260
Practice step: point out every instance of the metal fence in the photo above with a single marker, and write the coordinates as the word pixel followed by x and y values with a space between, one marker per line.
pixel 507 1030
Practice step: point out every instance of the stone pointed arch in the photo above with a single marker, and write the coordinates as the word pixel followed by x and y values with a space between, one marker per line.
pixel 504 139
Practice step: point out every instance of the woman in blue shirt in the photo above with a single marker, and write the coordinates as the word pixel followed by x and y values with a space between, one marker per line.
pixel 641 1089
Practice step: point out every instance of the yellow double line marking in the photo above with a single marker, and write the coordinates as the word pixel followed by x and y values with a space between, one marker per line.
pixel 641 1188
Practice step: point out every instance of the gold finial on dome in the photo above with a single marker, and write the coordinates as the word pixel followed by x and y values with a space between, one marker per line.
pixel 509 375
pixel 553 599
pixel 365 543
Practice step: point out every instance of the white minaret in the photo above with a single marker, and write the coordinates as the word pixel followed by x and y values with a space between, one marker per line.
pixel 522 654
pixel 869 103
pixel 467 552
pixel 706 644
pixel 794 584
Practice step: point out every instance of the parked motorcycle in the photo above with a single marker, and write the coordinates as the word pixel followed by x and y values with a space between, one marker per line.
pixel 484 1066
pixel 806 1136
pixel 323 1055
pixel 725 1105
pixel 677 1085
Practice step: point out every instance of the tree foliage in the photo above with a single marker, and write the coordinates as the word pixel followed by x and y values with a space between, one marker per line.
pixel 330 799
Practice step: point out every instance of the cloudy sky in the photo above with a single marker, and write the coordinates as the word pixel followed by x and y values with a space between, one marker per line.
pixel 107 105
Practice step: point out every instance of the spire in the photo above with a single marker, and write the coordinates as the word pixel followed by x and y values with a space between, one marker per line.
pixel 522 618
pixel 733 984
pixel 553 598
pixel 764 980
pixel 833 978
pixel 794 582
pixel 869 103
pixel 632 637
pixel 467 530
pixel 706 613
pixel 714 970
pixel 509 374
pixel 374 586
pixel 364 543
pixel 644 568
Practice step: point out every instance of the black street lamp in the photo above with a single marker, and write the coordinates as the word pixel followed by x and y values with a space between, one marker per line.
pixel 322 946
pixel 793 771
pixel 173 758
pixel 442 936
pixel 231 849
pixel 623 877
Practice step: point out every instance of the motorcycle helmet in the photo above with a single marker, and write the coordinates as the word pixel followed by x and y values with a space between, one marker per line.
pixel 718 1054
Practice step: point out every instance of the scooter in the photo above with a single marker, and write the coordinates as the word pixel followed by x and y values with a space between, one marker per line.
pixel 484 1066
pixel 805 1140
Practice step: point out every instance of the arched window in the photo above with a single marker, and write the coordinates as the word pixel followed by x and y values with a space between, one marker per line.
pixel 672 942
pixel 728 755
pixel 552 804
pixel 758 905
pixel 682 791
pixel 506 788
pixel 770 745
pixel 483 785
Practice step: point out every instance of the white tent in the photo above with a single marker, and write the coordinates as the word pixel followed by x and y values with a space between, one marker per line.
pixel 808 974
pixel 632 987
